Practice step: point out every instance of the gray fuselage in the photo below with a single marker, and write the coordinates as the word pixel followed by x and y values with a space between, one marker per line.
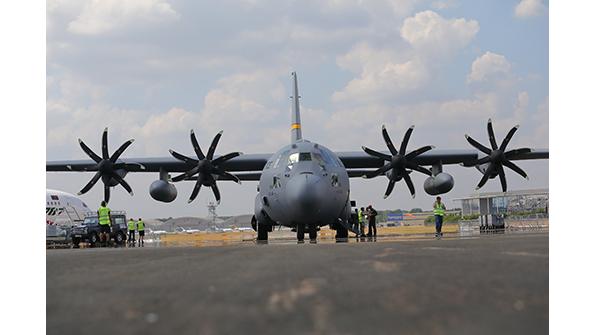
pixel 303 183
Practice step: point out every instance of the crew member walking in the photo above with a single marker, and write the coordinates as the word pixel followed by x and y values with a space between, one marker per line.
pixel 439 209
pixel 141 231
pixel 103 214
pixel 131 229
pixel 372 221
pixel 361 218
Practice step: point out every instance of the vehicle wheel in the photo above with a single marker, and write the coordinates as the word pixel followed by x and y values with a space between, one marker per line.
pixel 312 232
pixel 300 231
pixel 93 239
pixel 120 238
pixel 262 232
pixel 75 242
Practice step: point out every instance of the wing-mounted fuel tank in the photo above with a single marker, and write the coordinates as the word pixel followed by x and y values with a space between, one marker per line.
pixel 439 182
pixel 162 190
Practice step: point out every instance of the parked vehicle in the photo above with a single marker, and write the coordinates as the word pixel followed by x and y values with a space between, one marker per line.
pixel 89 230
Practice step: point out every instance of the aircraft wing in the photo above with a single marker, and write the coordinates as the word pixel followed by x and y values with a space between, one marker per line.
pixel 248 162
pixel 361 160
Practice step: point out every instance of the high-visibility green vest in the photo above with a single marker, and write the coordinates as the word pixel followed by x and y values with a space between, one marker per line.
pixel 360 216
pixel 141 225
pixel 104 215
pixel 439 209
pixel 131 225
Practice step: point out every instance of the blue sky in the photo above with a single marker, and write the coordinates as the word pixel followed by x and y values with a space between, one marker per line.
pixel 154 69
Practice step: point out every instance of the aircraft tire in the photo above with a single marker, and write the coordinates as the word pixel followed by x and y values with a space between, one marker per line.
pixel 262 232
pixel 300 232
pixel 341 232
pixel 313 233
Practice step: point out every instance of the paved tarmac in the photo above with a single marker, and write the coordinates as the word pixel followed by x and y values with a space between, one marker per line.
pixel 493 284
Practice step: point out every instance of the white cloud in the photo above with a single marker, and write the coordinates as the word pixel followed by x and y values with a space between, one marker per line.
pixel 528 8
pixel 101 16
pixel 429 31
pixel 488 65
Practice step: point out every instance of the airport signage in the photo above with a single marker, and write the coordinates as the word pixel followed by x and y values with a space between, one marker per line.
pixel 394 217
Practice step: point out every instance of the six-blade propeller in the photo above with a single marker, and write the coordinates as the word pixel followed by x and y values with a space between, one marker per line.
pixel 207 168
pixel 108 169
pixel 400 164
pixel 497 157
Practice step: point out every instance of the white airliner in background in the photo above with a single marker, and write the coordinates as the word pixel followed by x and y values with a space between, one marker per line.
pixel 62 209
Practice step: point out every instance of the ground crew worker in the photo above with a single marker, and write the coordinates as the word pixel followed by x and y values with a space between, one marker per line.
pixel 103 214
pixel 439 210
pixel 140 226
pixel 361 218
pixel 131 229
pixel 372 221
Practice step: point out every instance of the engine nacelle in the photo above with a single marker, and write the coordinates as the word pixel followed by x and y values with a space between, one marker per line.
pixel 163 191
pixel 439 184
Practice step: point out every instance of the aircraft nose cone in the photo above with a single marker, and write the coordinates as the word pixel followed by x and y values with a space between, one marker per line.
pixel 305 194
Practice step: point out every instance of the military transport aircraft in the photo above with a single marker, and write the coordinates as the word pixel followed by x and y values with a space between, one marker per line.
pixel 304 185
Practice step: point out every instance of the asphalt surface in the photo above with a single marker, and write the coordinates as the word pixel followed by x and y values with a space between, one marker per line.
pixel 494 284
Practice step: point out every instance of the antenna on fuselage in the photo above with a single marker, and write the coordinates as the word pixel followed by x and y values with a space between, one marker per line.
pixel 296 125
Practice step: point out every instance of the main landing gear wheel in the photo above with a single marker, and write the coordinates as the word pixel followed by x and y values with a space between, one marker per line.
pixel 300 232
pixel 341 231
pixel 262 232
pixel 312 232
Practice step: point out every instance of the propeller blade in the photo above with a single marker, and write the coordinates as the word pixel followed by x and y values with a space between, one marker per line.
pixel 418 168
pixel 216 192
pixel 484 160
pixel 185 175
pixel 122 182
pixel 183 158
pixel 502 176
pixel 195 145
pixel 91 183
pixel 388 141
pixel 478 145
pixel 491 135
pixel 508 137
pixel 213 146
pixel 106 192
pixel 196 188
pixel 89 152
pixel 120 150
pixel 375 173
pixel 224 158
pixel 516 152
pixel 230 176
pixel 485 177
pixel 376 154
pixel 104 151
pixel 405 141
pixel 409 184
pixel 515 168
pixel 419 151
pixel 389 188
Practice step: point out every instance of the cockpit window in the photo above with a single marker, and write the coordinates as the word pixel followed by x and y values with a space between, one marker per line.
pixel 293 158
pixel 280 159
pixel 305 156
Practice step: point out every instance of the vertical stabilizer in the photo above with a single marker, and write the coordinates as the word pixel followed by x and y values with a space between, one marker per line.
pixel 296 125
